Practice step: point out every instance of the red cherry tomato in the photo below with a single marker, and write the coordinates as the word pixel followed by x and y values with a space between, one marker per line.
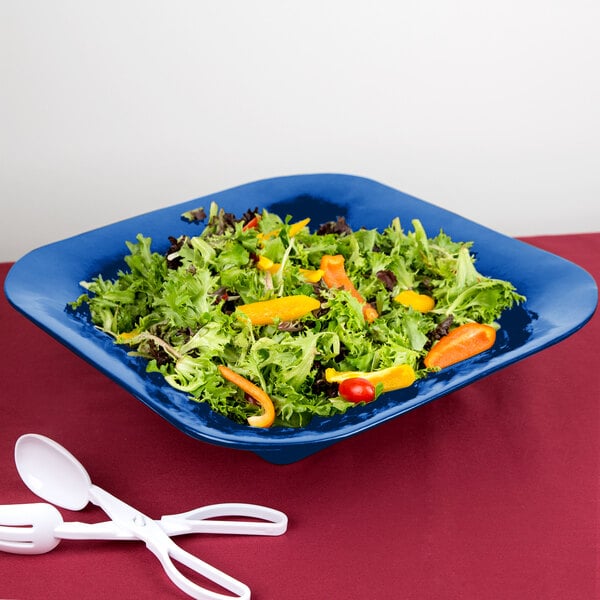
pixel 357 389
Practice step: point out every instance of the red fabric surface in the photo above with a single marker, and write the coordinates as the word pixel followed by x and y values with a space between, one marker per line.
pixel 490 492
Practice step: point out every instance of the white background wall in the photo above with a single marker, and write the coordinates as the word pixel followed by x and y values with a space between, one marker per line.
pixel 112 108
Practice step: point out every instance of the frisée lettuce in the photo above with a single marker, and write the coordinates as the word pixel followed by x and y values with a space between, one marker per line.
pixel 181 310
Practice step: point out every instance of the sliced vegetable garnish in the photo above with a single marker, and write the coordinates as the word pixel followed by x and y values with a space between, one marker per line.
pixel 335 276
pixel 461 343
pixel 268 415
pixel 295 228
pixel 420 302
pixel 287 308
pixel 266 264
pixel 312 275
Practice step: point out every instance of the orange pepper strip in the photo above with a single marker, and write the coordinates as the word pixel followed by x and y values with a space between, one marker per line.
pixel 335 276
pixel 268 415
pixel 461 343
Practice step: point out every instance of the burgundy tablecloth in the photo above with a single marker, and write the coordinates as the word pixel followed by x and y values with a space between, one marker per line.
pixel 489 493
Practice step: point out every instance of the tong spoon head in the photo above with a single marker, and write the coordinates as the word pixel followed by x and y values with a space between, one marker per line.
pixel 52 472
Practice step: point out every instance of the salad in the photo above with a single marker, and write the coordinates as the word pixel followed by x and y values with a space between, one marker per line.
pixel 271 323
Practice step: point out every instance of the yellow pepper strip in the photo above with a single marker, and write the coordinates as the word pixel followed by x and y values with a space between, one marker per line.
pixel 268 415
pixel 309 275
pixel 312 275
pixel 127 336
pixel 420 302
pixel 392 378
pixel 287 308
pixel 295 228
pixel 264 263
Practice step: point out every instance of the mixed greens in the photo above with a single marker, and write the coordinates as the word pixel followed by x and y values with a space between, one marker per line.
pixel 184 310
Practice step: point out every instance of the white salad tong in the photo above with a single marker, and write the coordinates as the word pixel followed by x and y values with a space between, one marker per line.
pixel 55 475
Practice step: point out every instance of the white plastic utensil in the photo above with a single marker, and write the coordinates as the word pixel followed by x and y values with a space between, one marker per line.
pixel 54 474
pixel 203 520
pixel 38 527
pixel 28 528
